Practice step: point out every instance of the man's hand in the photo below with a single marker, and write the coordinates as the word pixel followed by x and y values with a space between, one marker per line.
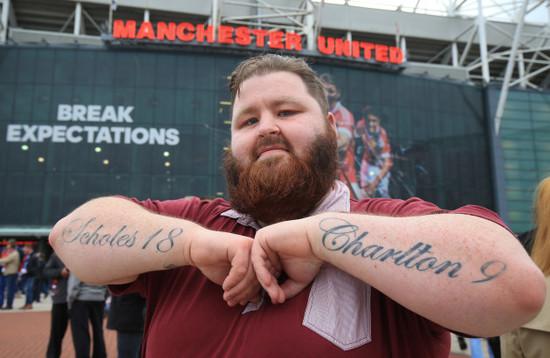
pixel 224 258
pixel 370 188
pixel 65 272
pixel 284 247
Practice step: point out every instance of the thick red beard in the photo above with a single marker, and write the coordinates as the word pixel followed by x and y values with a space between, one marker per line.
pixel 283 187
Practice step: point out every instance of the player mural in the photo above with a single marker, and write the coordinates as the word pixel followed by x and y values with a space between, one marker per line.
pixel 376 160
pixel 346 128
pixel 369 165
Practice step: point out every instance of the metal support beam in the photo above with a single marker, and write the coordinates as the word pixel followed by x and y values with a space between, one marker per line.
pixel 521 71
pixel 4 21
pixel 215 17
pixel 403 47
pixel 309 27
pixel 77 19
pixel 509 69
pixel 300 19
pixel 454 50
pixel 467 47
pixel 482 43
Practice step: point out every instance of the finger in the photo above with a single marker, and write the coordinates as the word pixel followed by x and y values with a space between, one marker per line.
pixel 245 294
pixel 267 279
pixel 291 288
pixel 239 268
pixel 244 290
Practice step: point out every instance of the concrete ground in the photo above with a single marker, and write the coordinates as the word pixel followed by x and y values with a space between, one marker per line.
pixel 25 333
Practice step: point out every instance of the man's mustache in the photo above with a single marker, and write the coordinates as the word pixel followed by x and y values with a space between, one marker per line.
pixel 271 141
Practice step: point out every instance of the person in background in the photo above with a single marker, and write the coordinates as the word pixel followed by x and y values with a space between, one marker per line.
pixel 290 265
pixel 40 281
pixel 86 305
pixel 28 273
pixel 377 160
pixel 532 340
pixel 58 273
pixel 10 260
pixel 127 318
pixel 345 124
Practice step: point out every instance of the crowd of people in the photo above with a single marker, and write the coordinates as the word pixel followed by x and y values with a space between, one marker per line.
pixel 75 304
pixel 22 274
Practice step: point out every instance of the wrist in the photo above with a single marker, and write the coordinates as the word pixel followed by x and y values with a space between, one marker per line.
pixel 322 231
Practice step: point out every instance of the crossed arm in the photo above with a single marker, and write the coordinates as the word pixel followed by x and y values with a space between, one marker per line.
pixel 465 273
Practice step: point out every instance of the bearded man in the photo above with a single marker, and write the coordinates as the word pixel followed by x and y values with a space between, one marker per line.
pixel 291 266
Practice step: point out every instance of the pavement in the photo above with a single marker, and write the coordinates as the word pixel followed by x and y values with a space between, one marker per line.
pixel 25 333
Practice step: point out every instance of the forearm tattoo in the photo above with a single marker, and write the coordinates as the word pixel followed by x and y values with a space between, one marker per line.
pixel 91 233
pixel 341 236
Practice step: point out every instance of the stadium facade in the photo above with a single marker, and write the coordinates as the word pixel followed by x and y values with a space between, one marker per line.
pixel 130 97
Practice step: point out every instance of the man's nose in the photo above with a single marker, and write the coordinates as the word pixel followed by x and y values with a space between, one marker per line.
pixel 268 126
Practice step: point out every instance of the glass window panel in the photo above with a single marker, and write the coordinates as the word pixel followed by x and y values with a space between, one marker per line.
pixel 182 155
pixel 85 67
pixel 8 66
pixel 205 78
pixel 185 72
pixel 25 66
pixel 41 106
pixel 145 74
pixel 161 187
pixel 126 69
pixel 54 189
pixel 44 67
pixel 64 67
pixel 165 71
pixel 145 104
pixel 23 102
pixel 14 191
pixel 140 186
pixel 7 101
pixel 102 96
pixel 84 95
pixel 164 110
pixel 105 68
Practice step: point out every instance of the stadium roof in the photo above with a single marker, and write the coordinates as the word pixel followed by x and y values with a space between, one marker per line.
pixel 468 40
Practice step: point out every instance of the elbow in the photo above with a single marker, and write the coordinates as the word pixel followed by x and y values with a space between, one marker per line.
pixel 534 297
pixel 56 235
pixel 529 298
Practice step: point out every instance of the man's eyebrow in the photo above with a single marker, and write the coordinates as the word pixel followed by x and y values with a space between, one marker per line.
pixel 287 99
pixel 244 112
pixel 277 102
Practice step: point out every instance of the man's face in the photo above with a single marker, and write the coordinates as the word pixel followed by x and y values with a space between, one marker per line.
pixel 283 155
pixel 274 108
pixel 372 123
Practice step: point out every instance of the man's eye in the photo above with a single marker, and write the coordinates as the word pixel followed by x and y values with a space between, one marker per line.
pixel 250 122
pixel 286 113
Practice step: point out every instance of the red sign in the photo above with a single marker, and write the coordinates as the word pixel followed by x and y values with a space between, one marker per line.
pixel 244 36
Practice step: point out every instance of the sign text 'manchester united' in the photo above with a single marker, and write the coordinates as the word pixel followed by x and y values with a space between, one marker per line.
pixel 245 36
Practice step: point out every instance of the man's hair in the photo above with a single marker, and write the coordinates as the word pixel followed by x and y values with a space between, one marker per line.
pixel 333 93
pixel 370 110
pixel 270 63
